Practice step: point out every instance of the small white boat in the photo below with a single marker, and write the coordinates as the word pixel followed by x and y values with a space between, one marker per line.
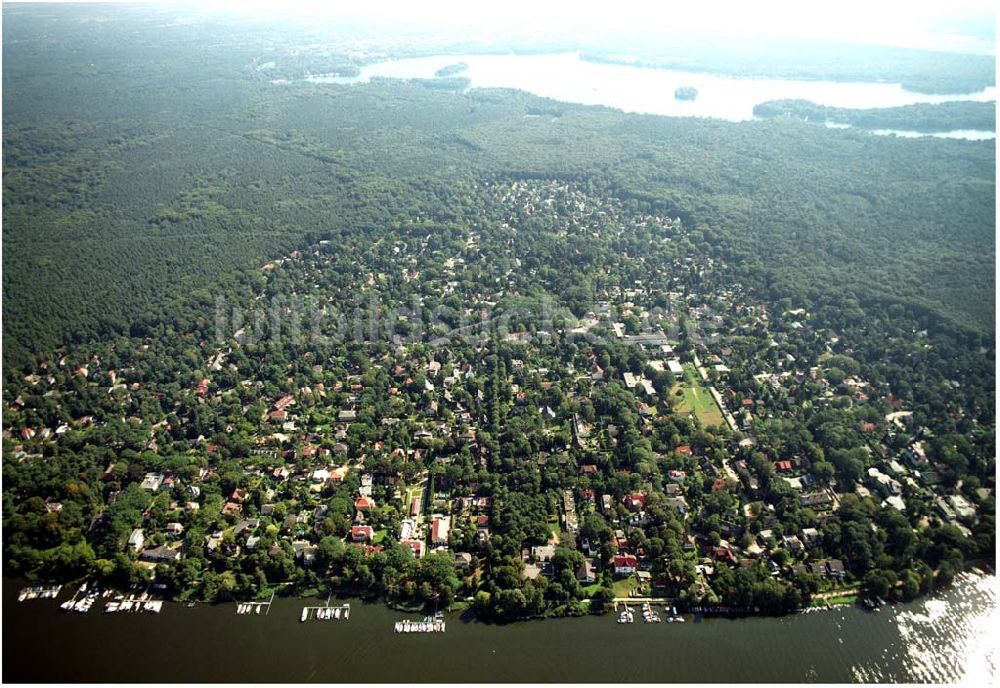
pixel 336 613
pixel 305 614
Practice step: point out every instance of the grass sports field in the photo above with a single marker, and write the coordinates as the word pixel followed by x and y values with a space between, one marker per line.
pixel 691 396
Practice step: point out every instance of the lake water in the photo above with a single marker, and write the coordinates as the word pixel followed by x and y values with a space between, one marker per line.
pixel 968 134
pixel 944 638
pixel 567 78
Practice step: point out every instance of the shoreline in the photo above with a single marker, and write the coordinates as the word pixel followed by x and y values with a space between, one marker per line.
pixel 978 568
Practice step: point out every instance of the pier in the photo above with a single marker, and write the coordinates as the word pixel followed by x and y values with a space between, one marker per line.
pixel 84 604
pixel 434 624
pixel 649 614
pixel 326 612
pixel 131 603
pixel 243 608
pixel 38 592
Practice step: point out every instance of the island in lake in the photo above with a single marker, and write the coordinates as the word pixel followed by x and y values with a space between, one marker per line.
pixel 452 69
pixel 686 93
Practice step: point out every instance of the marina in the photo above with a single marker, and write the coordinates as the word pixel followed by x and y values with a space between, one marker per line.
pixel 133 604
pixel 649 614
pixel 938 639
pixel 84 598
pixel 626 615
pixel 39 592
pixel 326 612
pixel 429 624
pixel 83 605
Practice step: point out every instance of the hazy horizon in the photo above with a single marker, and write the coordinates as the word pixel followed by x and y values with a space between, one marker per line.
pixel 967 26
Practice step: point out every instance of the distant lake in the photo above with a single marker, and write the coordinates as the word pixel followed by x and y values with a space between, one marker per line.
pixel 969 134
pixel 940 639
pixel 645 90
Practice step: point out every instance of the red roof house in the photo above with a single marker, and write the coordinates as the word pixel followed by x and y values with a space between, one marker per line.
pixel 625 563
pixel 362 533
pixel 416 546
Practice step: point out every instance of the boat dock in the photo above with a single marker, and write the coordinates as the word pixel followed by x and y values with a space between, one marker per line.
pixel 133 604
pixel 84 604
pixel 434 624
pixel 649 614
pixel 39 592
pixel 326 612
pixel 243 608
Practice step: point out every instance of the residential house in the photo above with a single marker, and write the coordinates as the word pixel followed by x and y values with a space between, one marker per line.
pixel 160 555
pixel 136 540
pixel 810 536
pixel 835 568
pixel 439 531
pixel 586 573
pixel 625 564
pixel 362 534
pixel 152 482
pixel 816 499
pixel 793 543
pixel 416 546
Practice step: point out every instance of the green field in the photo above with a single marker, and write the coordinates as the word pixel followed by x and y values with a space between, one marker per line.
pixel 840 599
pixel 623 587
pixel 695 398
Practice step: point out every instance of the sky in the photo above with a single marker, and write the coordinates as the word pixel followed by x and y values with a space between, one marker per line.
pixel 906 23
pixel 894 22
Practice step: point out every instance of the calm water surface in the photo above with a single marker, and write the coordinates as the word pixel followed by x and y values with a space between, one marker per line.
pixel 968 134
pixel 941 639
pixel 644 90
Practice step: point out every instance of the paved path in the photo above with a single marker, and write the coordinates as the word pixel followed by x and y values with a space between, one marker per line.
pixel 730 420
pixel 836 593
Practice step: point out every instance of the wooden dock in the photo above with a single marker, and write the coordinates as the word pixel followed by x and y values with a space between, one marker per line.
pixel 327 612
pixel 243 608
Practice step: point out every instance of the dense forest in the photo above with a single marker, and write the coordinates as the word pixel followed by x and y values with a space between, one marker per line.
pixel 923 117
pixel 138 194
pixel 516 251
